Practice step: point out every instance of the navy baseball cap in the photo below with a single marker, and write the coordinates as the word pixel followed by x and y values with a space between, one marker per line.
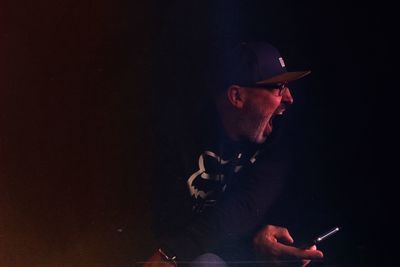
pixel 257 64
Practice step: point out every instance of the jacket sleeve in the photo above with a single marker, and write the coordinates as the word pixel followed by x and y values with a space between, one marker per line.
pixel 238 212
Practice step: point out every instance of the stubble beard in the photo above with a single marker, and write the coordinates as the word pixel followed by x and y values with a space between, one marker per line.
pixel 254 129
pixel 259 135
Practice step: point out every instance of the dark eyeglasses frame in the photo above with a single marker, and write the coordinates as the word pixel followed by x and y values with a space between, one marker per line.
pixel 280 86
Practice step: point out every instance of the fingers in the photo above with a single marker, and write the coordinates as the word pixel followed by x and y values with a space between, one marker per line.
pixel 274 243
pixel 304 263
pixel 293 252
pixel 282 234
pixel 279 233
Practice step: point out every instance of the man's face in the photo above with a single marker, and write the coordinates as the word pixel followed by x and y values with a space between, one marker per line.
pixel 260 107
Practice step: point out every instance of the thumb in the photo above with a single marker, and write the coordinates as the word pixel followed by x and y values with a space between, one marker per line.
pixel 282 235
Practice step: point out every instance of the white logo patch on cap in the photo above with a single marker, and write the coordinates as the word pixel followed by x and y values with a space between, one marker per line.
pixel 282 62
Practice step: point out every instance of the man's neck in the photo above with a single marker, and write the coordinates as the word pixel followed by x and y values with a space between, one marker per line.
pixel 228 124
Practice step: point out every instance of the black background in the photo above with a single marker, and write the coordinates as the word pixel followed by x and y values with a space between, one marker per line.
pixel 85 85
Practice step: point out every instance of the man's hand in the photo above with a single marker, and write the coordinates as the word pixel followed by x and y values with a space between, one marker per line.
pixel 156 260
pixel 274 244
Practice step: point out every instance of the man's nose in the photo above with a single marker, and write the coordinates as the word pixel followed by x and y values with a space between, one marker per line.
pixel 287 97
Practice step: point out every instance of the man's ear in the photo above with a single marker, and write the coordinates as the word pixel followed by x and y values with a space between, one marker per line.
pixel 236 96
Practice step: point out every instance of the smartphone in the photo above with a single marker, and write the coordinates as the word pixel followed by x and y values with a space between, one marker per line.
pixel 320 238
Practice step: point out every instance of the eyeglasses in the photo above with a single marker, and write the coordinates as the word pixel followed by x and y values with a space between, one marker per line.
pixel 280 87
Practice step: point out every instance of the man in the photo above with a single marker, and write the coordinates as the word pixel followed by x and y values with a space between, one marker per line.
pixel 232 172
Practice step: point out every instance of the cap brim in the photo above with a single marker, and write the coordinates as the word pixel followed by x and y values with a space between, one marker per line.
pixel 285 77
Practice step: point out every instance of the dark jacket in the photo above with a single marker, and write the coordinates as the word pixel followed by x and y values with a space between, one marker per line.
pixel 214 194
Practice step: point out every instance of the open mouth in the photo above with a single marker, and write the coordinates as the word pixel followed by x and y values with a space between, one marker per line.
pixel 269 126
pixel 276 116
